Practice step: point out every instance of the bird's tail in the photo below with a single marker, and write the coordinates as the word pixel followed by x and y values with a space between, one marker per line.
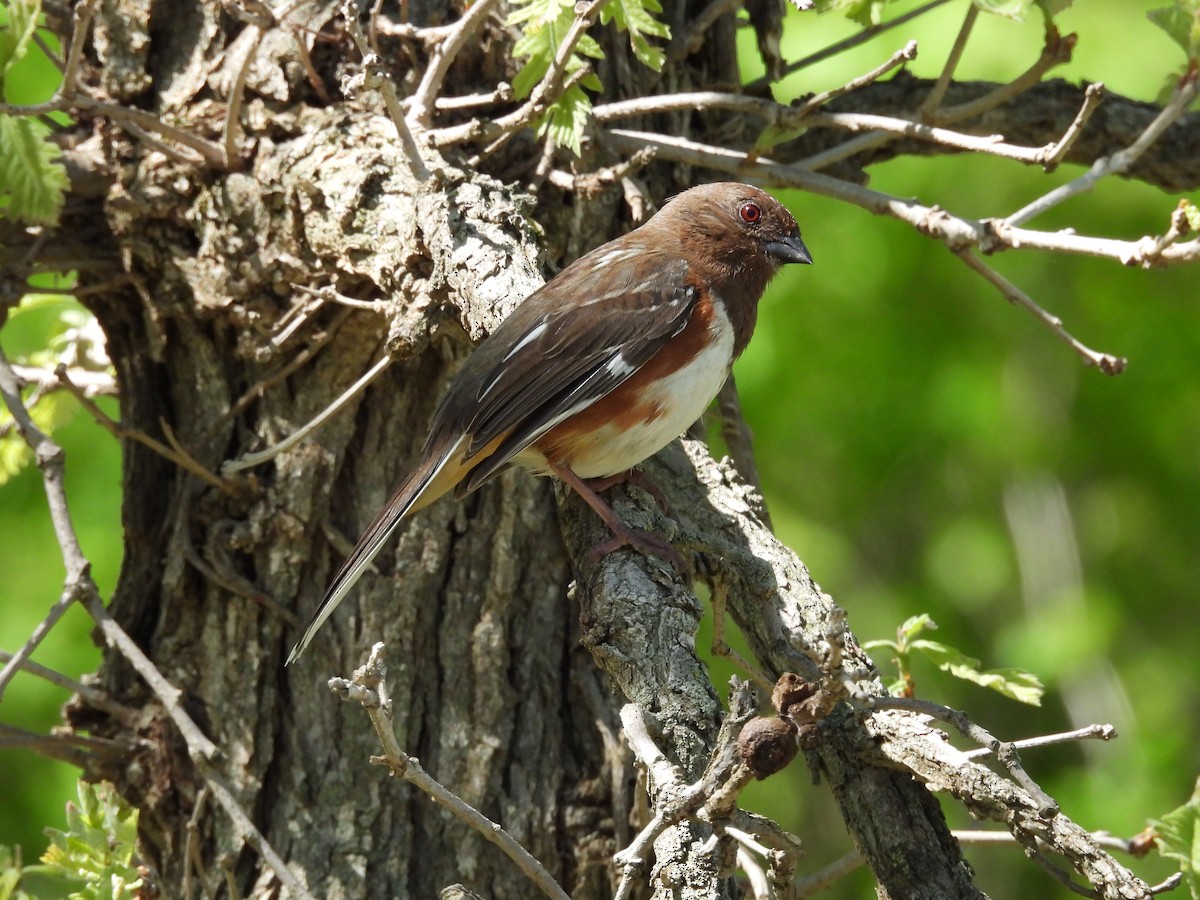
pixel 429 481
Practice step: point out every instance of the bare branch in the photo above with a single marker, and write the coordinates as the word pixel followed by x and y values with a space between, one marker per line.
pixel 93 697
pixel 929 108
pixel 1116 164
pixel 375 77
pixel 1097 732
pixel 253 459
pixel 854 40
pixel 1093 96
pixel 1105 362
pixel 369 687
pixel 424 100
pixel 907 53
pixel 77 584
pixel 175 453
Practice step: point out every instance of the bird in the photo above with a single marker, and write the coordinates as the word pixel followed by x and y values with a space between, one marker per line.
pixel 602 366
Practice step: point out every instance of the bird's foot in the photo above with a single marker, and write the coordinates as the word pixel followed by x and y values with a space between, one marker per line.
pixel 637 478
pixel 646 542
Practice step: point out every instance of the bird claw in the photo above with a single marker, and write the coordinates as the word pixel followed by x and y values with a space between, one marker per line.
pixel 645 542
pixel 637 478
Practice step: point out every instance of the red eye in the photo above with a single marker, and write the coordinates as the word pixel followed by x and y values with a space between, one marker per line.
pixel 750 213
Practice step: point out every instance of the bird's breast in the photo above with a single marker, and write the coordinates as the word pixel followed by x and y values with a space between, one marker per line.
pixel 653 406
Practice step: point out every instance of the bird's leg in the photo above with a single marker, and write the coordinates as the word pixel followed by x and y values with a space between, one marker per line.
pixel 622 535
pixel 637 478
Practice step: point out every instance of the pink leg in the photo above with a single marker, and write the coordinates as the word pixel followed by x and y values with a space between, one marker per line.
pixel 623 535
pixel 637 478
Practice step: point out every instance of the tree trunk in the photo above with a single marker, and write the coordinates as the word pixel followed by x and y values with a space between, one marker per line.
pixel 197 276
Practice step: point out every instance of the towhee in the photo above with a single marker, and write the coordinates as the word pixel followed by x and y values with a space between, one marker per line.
pixel 602 366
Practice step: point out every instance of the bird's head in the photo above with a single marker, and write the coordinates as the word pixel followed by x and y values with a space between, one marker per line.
pixel 736 226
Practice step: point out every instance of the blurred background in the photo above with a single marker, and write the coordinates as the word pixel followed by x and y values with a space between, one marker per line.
pixel 924 446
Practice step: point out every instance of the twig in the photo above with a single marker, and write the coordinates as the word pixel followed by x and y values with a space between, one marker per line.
pixel 503 93
pixel 1056 51
pixel 81 22
pixel 991 144
pixel 92 383
pixel 237 93
pixel 251 835
pixel 1119 162
pixel 507 126
pixel 94 698
pixel 1105 362
pixel 552 85
pixel 253 459
pixel 907 53
pixel 591 182
pixel 177 455
pixel 198 743
pixel 424 99
pixel 814 882
pixel 1003 751
pixel 1097 732
pixel 54 747
pixel 368 687
pixel 710 799
pixel 71 592
pixel 191 851
pixel 41 44
pixel 930 106
pixel 374 77
pixel 1093 96
pixel 854 40
pixel 77 583
pixel 310 349
pixel 239 586
pixel 693 39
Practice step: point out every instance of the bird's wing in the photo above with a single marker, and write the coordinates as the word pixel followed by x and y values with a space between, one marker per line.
pixel 553 357
pixel 565 363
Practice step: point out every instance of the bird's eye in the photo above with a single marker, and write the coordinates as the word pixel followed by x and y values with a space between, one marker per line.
pixel 750 213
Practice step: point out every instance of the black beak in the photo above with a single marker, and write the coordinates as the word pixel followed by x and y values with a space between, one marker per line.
pixel 789 250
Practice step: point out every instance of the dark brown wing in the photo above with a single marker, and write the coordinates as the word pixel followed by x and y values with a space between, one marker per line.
pixel 555 356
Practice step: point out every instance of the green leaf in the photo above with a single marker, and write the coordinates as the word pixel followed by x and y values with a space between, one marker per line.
pixel 882 645
pixel 1181 22
pixel 864 12
pixel 566 120
pixel 15 454
pixel 99 848
pixel 16 37
pixel 637 18
pixel 1179 839
pixel 1192 213
pixel 32 181
pixel 11 872
pixel 1010 9
pixel 914 625
pixel 1051 8
pixel 1018 684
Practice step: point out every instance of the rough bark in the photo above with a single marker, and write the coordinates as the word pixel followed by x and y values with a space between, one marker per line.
pixel 194 275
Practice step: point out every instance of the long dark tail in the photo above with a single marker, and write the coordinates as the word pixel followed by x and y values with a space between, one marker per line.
pixel 422 487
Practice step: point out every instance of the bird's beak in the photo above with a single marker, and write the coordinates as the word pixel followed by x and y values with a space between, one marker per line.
pixel 789 250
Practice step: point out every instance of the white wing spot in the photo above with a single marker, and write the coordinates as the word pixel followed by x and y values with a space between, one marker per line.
pixel 532 336
pixel 619 367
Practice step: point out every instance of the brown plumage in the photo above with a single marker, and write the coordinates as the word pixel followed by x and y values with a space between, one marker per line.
pixel 602 366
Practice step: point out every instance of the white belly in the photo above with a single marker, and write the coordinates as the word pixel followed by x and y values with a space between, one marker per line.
pixel 683 396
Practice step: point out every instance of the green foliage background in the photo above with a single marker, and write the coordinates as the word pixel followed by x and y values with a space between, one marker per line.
pixel 899 405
